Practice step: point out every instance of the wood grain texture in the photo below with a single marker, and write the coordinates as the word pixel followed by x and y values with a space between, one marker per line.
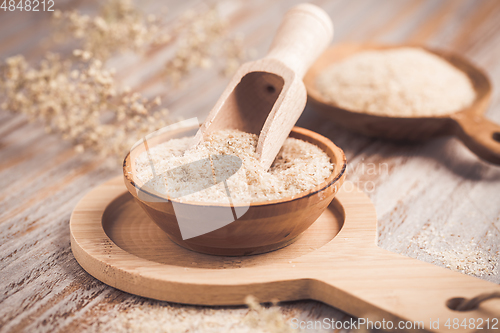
pixel 435 201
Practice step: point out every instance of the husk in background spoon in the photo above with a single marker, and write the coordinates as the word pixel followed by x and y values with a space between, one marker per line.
pixel 479 134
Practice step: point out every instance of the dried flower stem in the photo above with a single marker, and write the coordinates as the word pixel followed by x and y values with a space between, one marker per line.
pixel 78 97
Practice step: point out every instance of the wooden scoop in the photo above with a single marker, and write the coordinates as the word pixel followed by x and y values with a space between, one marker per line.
pixel 479 134
pixel 267 96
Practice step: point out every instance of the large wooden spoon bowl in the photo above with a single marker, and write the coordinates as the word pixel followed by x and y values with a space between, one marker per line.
pixel 264 227
pixel 479 134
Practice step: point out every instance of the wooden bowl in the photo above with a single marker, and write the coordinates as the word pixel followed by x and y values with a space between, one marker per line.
pixel 266 226
pixel 479 134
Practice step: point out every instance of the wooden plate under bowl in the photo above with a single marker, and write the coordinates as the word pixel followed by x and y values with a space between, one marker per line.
pixel 336 261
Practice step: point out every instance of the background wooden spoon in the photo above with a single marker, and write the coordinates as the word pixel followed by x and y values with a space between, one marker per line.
pixel 267 96
pixel 479 134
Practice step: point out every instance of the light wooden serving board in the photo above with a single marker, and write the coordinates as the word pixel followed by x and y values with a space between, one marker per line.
pixel 336 261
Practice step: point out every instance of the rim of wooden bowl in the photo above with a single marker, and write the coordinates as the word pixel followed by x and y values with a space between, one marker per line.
pixel 479 79
pixel 339 169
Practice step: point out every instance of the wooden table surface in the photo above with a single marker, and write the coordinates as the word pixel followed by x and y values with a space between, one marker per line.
pixel 435 201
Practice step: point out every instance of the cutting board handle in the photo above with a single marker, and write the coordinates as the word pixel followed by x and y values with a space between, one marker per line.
pixel 386 285
pixel 480 135
pixel 304 33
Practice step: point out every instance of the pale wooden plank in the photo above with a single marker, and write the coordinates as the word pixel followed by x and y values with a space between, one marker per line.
pixel 436 184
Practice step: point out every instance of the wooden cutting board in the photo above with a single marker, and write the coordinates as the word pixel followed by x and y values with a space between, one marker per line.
pixel 335 261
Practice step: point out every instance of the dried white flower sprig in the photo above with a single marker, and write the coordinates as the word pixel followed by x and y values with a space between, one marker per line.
pixel 202 39
pixel 266 319
pixel 79 99
pixel 118 26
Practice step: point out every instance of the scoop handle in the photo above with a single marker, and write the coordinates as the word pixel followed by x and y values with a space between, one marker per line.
pixel 380 285
pixel 304 33
pixel 480 135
